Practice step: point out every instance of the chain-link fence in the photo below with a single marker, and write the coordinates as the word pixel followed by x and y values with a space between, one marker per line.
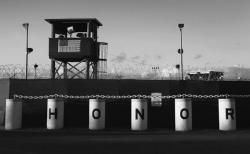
pixel 18 71
pixel 138 72
pixel 42 71
pixel 116 72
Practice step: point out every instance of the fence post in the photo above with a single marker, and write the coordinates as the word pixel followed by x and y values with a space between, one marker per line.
pixel 96 114
pixel 183 114
pixel 227 114
pixel 55 114
pixel 139 114
pixel 13 114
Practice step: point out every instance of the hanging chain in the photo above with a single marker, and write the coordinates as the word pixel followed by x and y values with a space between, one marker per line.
pixel 194 96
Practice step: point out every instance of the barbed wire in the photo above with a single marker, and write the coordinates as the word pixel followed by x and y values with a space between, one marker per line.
pixel 17 71
pixel 138 96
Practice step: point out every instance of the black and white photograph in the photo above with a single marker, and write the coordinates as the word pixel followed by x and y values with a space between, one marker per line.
pixel 124 76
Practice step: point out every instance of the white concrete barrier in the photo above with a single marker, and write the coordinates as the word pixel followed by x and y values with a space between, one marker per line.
pixel 96 114
pixel 139 114
pixel 227 114
pixel 183 114
pixel 13 114
pixel 55 114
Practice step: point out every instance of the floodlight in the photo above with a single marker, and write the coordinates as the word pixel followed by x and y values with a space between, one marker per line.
pixel 35 66
pixel 180 51
pixel 29 50
pixel 25 25
pixel 177 66
pixel 181 25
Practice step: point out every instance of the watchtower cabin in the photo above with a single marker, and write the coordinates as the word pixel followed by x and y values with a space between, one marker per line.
pixel 74 49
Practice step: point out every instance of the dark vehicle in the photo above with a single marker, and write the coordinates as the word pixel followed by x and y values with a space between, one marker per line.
pixel 206 76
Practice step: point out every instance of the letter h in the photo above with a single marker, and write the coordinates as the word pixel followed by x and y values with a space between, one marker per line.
pixel 52 113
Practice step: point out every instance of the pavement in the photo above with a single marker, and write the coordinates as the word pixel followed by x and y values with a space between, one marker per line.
pixel 122 141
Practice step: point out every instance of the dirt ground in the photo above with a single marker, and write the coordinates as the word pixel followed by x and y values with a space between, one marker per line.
pixel 79 140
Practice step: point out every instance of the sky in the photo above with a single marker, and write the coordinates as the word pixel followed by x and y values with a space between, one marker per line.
pixel 139 32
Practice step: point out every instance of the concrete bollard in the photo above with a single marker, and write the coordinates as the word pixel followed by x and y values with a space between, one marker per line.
pixel 13 114
pixel 55 114
pixel 139 114
pixel 96 114
pixel 227 114
pixel 183 114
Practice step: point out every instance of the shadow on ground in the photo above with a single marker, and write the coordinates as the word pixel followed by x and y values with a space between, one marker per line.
pixel 79 140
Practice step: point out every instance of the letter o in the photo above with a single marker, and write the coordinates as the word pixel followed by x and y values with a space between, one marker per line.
pixel 97 115
pixel 183 115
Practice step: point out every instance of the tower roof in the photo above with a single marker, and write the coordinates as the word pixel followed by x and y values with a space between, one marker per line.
pixel 73 20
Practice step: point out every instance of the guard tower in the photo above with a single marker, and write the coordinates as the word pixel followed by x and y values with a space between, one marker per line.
pixel 74 50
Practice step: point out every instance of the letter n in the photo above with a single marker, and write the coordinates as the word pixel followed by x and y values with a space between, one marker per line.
pixel 137 112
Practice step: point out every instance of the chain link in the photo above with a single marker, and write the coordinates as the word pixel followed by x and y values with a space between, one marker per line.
pixel 57 96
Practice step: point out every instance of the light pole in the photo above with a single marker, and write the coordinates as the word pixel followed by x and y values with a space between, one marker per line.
pixel 180 51
pixel 28 50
